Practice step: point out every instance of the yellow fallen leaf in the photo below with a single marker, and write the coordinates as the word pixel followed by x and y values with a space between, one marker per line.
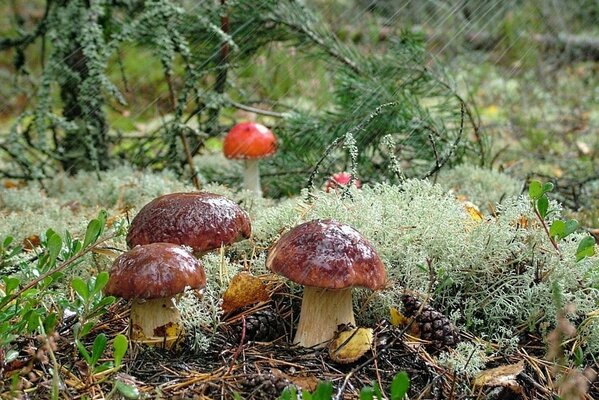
pixel 244 289
pixel 473 211
pixel 504 375
pixel 350 345
pixel 397 318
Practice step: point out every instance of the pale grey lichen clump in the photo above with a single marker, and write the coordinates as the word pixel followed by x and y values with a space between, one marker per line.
pixel 481 186
pixel 494 277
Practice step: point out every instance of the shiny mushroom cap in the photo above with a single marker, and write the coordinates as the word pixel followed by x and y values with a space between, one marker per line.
pixel 249 140
pixel 327 254
pixel 153 271
pixel 202 221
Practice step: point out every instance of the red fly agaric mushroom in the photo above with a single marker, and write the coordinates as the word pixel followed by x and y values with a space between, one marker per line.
pixel 328 258
pixel 202 221
pixel 341 179
pixel 250 142
pixel 150 276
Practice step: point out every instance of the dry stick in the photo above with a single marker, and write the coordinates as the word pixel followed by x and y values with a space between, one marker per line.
pixel 194 173
pixel 238 351
pixel 54 270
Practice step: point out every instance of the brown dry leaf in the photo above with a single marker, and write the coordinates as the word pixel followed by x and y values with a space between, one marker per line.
pixel 504 375
pixel 350 345
pixel 308 383
pixel 106 251
pixel 244 289
pixel 31 242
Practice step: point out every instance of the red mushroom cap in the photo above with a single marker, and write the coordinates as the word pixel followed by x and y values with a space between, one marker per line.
pixel 327 254
pixel 249 140
pixel 154 271
pixel 202 221
pixel 341 179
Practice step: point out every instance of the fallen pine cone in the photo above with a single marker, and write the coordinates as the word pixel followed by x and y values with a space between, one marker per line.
pixel 432 325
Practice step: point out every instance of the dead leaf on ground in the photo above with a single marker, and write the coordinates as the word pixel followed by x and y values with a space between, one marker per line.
pixel 308 383
pixel 348 346
pixel 504 375
pixel 244 289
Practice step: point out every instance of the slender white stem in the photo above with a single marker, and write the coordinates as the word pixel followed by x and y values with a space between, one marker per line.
pixel 322 311
pixel 251 177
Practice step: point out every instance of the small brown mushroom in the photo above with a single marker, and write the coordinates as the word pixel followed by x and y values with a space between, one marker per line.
pixel 151 275
pixel 202 221
pixel 328 258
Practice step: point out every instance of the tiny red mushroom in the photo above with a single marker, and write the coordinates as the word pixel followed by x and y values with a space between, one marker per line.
pixel 150 276
pixel 328 258
pixel 202 221
pixel 339 180
pixel 250 142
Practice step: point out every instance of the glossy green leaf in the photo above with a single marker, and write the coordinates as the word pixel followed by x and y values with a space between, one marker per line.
pixel 128 391
pixel 83 351
pixel 80 286
pixel 571 226
pixel 586 248
pixel 535 189
pixel 548 187
pixel 543 205
pixel 324 391
pixel 10 284
pixel 7 241
pixel 400 386
pixel 557 229
pixel 98 347
pixel 54 245
pixel 101 281
pixel 120 345
pixel 92 232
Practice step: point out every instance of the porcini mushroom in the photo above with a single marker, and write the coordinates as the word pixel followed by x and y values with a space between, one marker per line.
pixel 150 276
pixel 341 179
pixel 328 258
pixel 202 221
pixel 250 142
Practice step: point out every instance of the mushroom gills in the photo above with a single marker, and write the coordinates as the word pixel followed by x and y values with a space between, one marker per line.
pixel 155 322
pixel 323 310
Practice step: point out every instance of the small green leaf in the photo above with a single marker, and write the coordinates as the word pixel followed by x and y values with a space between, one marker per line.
pixel 547 187
pixel 7 241
pixel 98 348
pixel 103 367
pixel 557 229
pixel 54 244
pixel 400 386
pixel 535 189
pixel 120 345
pixel 11 355
pixel 92 233
pixel 367 393
pixel 83 351
pixel 129 391
pixel 50 322
pixel 101 281
pixel 289 393
pixel 80 286
pixel 86 328
pixel 10 284
pixel 543 205
pixel 586 248
pixel 324 391
pixel 571 226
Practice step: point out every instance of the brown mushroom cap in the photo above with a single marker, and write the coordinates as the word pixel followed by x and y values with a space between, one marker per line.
pixel 202 221
pixel 327 254
pixel 154 271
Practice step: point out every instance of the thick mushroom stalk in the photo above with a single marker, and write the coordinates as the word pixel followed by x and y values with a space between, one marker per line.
pixel 251 177
pixel 323 310
pixel 155 322
pixel 328 258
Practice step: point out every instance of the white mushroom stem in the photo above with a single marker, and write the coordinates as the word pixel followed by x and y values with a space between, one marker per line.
pixel 155 322
pixel 251 177
pixel 322 311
